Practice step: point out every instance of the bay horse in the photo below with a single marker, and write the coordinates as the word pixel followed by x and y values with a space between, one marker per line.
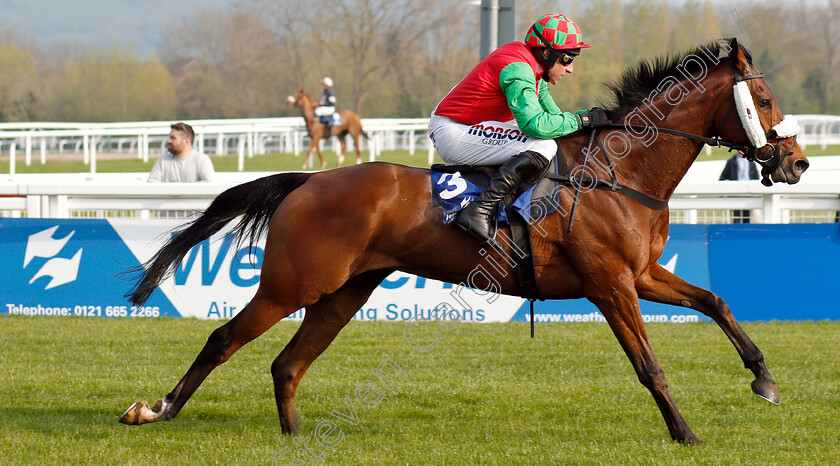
pixel 377 218
pixel 351 124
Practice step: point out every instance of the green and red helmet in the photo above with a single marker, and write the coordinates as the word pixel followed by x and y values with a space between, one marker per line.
pixel 559 32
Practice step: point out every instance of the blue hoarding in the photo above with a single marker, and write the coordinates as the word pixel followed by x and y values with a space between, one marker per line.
pixel 785 272
pixel 68 267
pixel 72 267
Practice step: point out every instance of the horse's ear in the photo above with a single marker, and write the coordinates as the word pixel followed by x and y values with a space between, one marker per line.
pixel 738 58
pixel 733 45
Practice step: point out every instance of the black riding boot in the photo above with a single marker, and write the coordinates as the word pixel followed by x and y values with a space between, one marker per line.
pixel 326 120
pixel 478 217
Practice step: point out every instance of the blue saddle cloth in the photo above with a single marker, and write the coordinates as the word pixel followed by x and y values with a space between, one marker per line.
pixel 453 187
pixel 332 120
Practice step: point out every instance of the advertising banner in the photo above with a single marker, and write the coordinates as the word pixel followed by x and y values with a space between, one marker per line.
pixel 54 267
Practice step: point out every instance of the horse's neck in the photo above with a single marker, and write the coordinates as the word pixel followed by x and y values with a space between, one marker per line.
pixel 307 109
pixel 658 163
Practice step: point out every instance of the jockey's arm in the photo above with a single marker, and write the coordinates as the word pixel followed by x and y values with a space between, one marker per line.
pixel 536 116
pixel 546 101
pixel 328 99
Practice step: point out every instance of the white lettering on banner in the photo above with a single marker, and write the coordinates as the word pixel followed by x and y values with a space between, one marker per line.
pixel 37 310
pixel 82 310
pixel 216 280
pixel 597 317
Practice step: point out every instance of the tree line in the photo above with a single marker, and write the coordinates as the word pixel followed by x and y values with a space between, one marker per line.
pixel 393 58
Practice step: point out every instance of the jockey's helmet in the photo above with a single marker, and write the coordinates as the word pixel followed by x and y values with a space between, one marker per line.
pixel 327 81
pixel 555 31
pixel 558 34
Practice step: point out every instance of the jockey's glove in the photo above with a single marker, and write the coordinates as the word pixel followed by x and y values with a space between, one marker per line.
pixel 593 118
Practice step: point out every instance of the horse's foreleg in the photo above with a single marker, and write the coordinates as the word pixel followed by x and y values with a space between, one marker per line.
pixel 256 318
pixel 660 285
pixel 307 162
pixel 621 309
pixel 321 324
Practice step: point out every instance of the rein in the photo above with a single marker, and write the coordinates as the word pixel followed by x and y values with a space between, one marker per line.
pixel 769 164
pixel 578 181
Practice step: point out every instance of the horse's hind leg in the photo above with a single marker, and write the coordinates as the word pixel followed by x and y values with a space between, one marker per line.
pixel 321 324
pixel 620 306
pixel 260 314
pixel 343 149
pixel 662 286
pixel 320 154
pixel 356 145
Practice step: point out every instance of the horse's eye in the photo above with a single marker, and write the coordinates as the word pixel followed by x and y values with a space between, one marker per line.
pixel 765 103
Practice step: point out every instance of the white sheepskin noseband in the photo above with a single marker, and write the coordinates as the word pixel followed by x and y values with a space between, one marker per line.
pixel 788 127
pixel 752 125
pixel 749 116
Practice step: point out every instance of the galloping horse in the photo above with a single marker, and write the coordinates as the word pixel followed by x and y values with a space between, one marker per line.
pixel 376 218
pixel 351 123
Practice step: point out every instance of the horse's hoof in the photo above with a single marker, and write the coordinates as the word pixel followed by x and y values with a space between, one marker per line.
pixel 691 440
pixel 766 390
pixel 140 413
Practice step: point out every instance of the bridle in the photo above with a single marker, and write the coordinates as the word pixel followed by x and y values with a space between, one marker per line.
pixel 769 156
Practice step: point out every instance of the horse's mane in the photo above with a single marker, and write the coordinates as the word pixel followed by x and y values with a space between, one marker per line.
pixel 635 84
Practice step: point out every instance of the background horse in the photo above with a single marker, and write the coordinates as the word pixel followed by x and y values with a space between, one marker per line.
pixel 351 124
pixel 376 218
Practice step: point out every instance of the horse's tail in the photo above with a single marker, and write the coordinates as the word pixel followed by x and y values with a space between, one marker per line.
pixel 256 201
pixel 362 130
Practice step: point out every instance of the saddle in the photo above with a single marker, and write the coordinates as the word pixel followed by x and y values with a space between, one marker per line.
pixel 454 186
pixel 332 120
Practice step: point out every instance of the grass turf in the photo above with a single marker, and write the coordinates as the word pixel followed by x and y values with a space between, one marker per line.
pixel 275 162
pixel 486 394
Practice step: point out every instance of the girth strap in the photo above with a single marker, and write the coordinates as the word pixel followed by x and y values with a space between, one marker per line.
pixel 522 254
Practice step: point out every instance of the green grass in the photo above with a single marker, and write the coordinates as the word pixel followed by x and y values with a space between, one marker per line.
pixel 487 394
pixel 277 162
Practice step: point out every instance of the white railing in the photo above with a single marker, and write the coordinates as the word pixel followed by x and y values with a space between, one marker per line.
pixel 822 130
pixel 247 137
pixel 244 137
pixel 128 195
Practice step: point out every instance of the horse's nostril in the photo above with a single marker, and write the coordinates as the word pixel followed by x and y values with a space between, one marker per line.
pixel 801 165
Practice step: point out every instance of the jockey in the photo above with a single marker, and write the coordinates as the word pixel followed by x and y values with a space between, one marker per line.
pixel 326 106
pixel 502 113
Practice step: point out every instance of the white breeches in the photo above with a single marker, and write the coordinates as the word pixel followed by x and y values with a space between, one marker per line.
pixel 485 143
